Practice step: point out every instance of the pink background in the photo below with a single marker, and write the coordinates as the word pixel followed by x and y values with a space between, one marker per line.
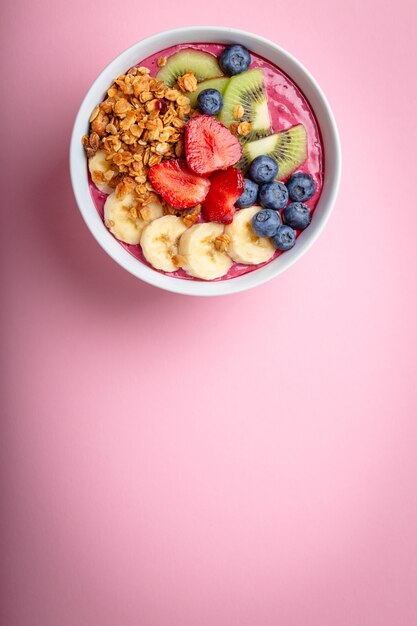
pixel 249 460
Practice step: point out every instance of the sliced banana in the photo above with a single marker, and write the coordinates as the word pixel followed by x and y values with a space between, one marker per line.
pixel 99 167
pixel 124 220
pixel 245 246
pixel 151 212
pixel 202 256
pixel 159 242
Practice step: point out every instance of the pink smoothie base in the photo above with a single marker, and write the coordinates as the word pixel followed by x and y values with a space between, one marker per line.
pixel 287 107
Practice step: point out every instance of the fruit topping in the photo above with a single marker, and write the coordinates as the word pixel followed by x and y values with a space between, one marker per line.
pixel 159 242
pixel 288 148
pixel 265 223
pixel 273 195
pixel 263 169
pixel 100 171
pixel 211 83
pixel 247 91
pixel 249 195
pixel 235 59
pixel 119 219
pixel 297 215
pixel 125 219
pixel 203 250
pixel 177 185
pixel 201 64
pixel 210 101
pixel 225 189
pixel 301 187
pixel 284 238
pixel 245 246
pixel 210 146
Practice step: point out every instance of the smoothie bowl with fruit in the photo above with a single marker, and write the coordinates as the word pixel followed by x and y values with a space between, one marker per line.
pixel 205 162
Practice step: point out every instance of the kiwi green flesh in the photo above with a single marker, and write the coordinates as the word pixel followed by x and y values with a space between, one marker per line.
pixel 202 64
pixel 248 90
pixel 211 83
pixel 288 148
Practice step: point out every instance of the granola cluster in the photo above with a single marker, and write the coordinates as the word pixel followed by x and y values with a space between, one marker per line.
pixel 188 82
pixel 189 216
pixel 139 124
pixel 222 242
pixel 242 128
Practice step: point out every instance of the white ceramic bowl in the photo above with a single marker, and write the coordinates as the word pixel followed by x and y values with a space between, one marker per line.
pixel 285 62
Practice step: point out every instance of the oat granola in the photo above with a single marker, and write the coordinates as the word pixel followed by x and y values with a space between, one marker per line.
pixel 221 243
pixel 188 82
pixel 139 124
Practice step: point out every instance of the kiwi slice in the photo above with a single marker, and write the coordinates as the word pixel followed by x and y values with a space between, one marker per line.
pixel 288 148
pixel 248 90
pixel 202 64
pixel 211 83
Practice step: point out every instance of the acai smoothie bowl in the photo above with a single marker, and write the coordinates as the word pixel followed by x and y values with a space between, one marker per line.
pixel 205 161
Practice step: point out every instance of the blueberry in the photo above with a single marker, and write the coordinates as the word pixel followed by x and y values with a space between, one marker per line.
pixel 284 238
pixel 263 169
pixel 210 101
pixel 273 195
pixel 301 187
pixel 265 223
pixel 249 195
pixel 297 215
pixel 234 60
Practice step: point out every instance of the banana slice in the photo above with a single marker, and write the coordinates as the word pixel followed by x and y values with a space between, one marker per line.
pixel 202 252
pixel 246 247
pixel 159 242
pixel 123 219
pixel 99 167
pixel 151 212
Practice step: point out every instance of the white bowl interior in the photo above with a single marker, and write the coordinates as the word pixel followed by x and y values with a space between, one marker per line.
pixel 285 62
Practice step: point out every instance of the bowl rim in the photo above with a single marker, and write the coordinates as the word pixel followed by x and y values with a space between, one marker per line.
pixel 193 34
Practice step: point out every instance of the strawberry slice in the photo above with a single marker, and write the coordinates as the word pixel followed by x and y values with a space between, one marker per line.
pixel 210 146
pixel 177 185
pixel 225 189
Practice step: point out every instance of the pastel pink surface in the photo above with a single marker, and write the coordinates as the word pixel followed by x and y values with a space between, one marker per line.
pixel 170 461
